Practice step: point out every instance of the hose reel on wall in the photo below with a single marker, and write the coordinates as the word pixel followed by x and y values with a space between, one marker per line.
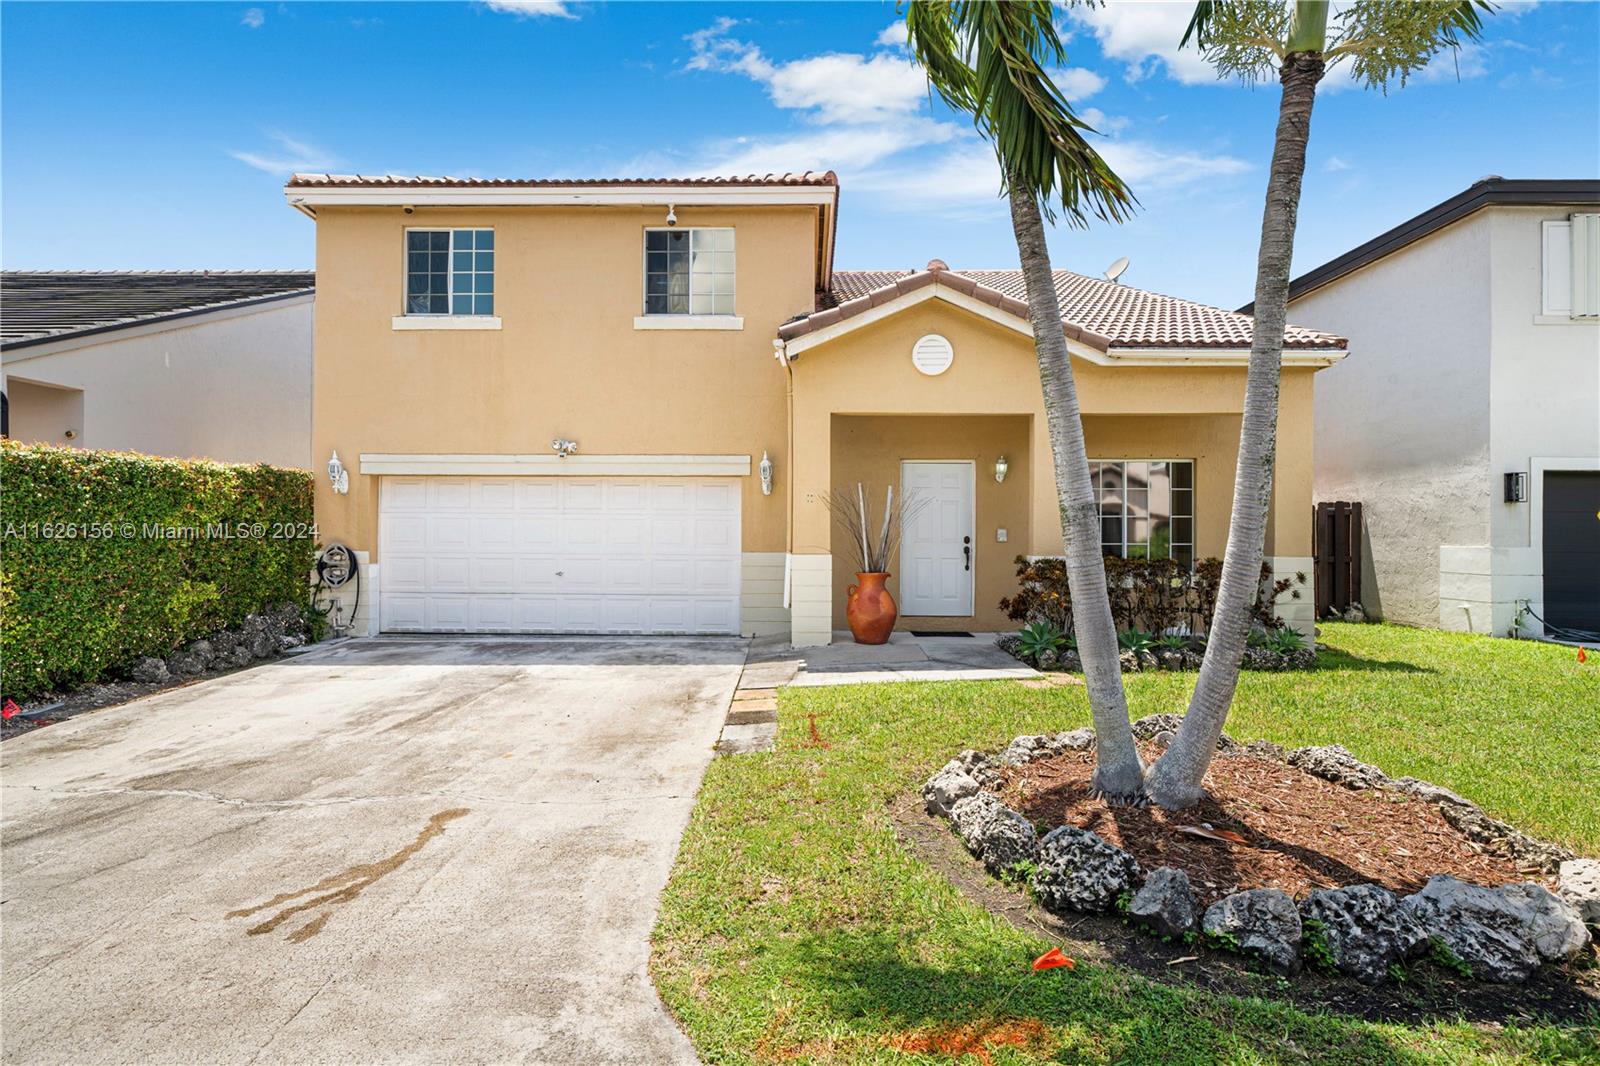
pixel 336 568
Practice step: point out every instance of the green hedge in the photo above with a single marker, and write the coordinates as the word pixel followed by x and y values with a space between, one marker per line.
pixel 109 556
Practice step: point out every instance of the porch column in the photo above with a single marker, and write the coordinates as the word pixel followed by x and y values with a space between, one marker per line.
pixel 810 553
pixel 1288 548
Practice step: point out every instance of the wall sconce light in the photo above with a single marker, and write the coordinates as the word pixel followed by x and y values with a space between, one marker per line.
pixel 564 447
pixel 1000 469
pixel 765 470
pixel 1516 487
pixel 338 476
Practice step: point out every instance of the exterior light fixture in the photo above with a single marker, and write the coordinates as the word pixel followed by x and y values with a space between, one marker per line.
pixel 765 470
pixel 564 447
pixel 1516 487
pixel 672 215
pixel 1000 469
pixel 338 476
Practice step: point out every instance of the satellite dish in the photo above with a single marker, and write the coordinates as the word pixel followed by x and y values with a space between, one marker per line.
pixel 1114 271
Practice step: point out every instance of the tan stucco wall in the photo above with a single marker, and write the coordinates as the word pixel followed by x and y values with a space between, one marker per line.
pixel 869 450
pixel 234 386
pixel 567 362
pixel 1129 412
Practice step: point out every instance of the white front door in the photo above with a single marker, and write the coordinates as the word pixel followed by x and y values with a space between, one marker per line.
pixel 936 549
pixel 559 554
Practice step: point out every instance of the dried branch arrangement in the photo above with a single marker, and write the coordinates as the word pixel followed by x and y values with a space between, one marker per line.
pixel 874 544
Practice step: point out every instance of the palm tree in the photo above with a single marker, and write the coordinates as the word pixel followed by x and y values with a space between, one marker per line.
pixel 988 60
pixel 1385 41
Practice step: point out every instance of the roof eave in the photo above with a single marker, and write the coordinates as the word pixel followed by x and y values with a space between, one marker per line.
pixel 1493 192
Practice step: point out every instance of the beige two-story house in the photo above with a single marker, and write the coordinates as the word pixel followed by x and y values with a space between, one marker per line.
pixel 615 406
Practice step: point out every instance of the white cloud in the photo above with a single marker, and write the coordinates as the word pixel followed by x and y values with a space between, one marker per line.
pixel 290 156
pixel 533 8
pixel 253 17
pixel 1102 122
pixel 1471 61
pixel 843 148
pixel 1145 37
pixel 1335 164
pixel 1077 83
pixel 893 35
pixel 1144 165
pixel 836 87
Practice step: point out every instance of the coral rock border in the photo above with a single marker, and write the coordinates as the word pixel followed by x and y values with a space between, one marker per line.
pixel 1363 931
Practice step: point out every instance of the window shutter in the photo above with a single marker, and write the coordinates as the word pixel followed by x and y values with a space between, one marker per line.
pixel 1586 266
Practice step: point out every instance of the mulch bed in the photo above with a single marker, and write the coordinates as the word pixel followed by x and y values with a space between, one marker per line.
pixel 1300 832
pixel 1567 996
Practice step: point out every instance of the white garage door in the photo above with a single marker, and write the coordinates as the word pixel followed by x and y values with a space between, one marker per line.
pixel 559 555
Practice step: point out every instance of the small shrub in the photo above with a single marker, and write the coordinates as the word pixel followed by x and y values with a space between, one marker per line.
pixel 1285 641
pixel 1150 595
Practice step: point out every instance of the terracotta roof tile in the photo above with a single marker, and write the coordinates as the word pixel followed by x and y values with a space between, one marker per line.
pixel 1103 314
pixel 809 177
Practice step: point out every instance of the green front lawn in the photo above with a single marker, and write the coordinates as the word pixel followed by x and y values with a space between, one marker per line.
pixel 796 928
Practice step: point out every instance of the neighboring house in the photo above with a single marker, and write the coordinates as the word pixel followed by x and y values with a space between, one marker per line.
pixel 679 331
pixel 1469 429
pixel 213 364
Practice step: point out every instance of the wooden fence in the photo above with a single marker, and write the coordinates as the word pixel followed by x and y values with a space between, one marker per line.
pixel 1336 547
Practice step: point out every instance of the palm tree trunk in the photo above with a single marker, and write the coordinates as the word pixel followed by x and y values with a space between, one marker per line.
pixel 1175 780
pixel 1118 771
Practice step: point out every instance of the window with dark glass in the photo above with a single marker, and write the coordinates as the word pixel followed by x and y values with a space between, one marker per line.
pixel 1146 507
pixel 688 272
pixel 450 272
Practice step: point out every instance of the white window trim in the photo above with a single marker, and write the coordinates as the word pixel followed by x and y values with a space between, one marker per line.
pixel 688 322
pixel 1193 490
pixel 648 321
pixel 450 281
pixel 422 321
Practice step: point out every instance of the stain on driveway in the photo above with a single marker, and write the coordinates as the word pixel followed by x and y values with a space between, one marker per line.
pixel 463 841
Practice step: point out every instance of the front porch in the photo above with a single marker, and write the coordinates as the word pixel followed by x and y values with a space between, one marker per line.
pixel 1163 441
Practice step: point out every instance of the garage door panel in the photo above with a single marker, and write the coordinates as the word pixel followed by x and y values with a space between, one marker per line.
pixel 448 614
pixel 534 495
pixel 576 495
pixel 493 533
pixel 449 494
pixel 599 555
pixel 493 573
pixel 536 532
pixel 403 610
pixel 450 532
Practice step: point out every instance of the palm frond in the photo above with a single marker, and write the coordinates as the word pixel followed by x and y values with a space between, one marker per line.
pixel 988 60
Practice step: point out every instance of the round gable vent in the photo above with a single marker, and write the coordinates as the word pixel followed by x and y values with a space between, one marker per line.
pixel 932 354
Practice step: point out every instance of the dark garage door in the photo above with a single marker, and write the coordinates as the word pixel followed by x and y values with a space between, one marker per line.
pixel 1572 549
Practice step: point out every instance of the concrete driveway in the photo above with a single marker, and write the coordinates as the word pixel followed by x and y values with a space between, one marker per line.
pixel 388 850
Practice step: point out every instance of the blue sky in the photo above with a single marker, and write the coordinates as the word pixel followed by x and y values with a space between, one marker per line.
pixel 159 135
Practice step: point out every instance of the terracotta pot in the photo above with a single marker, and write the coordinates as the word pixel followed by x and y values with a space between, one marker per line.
pixel 871 609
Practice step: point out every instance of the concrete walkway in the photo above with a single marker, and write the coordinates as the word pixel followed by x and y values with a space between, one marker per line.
pixel 393 850
pixel 908 657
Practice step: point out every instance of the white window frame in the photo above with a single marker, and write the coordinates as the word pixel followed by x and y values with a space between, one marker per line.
pixel 1193 490
pixel 667 319
pixel 447 320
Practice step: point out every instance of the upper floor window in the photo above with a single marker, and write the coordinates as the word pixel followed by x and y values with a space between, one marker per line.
pixel 1571 268
pixel 450 272
pixel 688 272
pixel 1146 507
